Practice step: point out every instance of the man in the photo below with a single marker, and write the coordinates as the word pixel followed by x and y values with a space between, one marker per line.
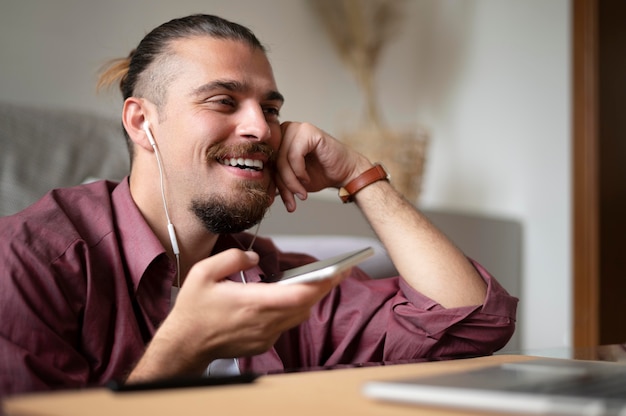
pixel 89 287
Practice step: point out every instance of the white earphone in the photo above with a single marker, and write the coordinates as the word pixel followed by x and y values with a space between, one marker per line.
pixel 170 226
pixel 146 128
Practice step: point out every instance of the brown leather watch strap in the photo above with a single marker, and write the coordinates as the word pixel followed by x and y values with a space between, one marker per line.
pixel 374 174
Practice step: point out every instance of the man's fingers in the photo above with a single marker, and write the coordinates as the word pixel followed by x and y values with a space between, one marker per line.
pixel 223 264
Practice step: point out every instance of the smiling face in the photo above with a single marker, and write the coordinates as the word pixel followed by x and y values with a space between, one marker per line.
pixel 218 131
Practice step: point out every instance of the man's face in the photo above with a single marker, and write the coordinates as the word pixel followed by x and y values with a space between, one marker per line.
pixel 218 130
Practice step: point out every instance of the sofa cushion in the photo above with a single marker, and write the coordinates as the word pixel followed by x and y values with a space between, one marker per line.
pixel 44 148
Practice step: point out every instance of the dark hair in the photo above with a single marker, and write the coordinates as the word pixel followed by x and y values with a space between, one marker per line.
pixel 130 72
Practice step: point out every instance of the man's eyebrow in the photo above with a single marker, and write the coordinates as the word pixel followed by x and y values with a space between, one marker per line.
pixel 234 86
pixel 275 96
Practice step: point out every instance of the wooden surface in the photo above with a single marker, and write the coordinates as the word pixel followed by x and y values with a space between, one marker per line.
pixel 319 393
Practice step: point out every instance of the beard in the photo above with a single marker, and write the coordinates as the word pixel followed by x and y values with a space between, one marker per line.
pixel 220 215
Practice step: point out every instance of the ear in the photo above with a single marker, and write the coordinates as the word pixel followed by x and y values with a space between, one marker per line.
pixel 134 113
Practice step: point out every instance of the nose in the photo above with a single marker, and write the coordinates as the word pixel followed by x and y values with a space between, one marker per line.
pixel 253 124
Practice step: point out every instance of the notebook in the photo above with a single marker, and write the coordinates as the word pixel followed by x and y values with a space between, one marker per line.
pixel 537 386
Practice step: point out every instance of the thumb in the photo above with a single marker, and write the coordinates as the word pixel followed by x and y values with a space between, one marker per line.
pixel 220 265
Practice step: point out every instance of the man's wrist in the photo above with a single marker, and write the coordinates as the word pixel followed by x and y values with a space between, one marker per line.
pixel 370 176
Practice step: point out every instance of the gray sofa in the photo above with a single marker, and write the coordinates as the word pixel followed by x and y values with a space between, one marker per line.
pixel 42 148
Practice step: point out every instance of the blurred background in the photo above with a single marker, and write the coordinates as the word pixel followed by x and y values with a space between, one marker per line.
pixel 490 80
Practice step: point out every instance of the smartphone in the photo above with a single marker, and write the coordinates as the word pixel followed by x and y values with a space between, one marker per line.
pixel 323 269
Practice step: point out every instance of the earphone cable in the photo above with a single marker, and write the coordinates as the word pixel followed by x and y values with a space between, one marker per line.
pixel 256 232
pixel 170 226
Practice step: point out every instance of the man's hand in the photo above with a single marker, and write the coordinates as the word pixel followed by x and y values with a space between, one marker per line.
pixel 216 318
pixel 310 160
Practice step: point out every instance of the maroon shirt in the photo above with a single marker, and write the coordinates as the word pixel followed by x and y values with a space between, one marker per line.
pixel 85 283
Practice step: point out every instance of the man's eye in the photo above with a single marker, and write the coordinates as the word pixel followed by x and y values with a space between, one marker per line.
pixel 272 111
pixel 226 101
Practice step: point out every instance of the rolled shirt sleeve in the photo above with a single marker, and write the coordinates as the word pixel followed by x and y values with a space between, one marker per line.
pixel 386 320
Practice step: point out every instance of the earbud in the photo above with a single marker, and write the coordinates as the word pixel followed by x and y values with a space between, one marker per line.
pixel 146 128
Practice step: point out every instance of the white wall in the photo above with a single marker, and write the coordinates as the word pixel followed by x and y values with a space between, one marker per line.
pixel 489 78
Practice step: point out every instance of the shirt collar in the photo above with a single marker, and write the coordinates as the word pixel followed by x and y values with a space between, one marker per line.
pixel 140 246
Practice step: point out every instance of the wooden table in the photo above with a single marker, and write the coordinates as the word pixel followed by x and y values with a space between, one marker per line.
pixel 319 393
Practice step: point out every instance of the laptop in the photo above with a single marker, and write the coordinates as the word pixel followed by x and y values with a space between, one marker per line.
pixel 536 386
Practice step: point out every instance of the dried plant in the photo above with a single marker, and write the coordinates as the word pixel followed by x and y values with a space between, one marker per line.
pixel 360 30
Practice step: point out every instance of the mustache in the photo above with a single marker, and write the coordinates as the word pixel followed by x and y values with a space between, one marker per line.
pixel 221 151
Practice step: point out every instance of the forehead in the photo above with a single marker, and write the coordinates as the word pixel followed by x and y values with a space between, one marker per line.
pixel 200 60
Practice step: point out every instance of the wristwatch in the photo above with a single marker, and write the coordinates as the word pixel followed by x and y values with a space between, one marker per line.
pixel 374 174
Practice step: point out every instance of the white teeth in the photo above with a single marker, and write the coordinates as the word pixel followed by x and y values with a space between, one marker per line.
pixel 249 163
